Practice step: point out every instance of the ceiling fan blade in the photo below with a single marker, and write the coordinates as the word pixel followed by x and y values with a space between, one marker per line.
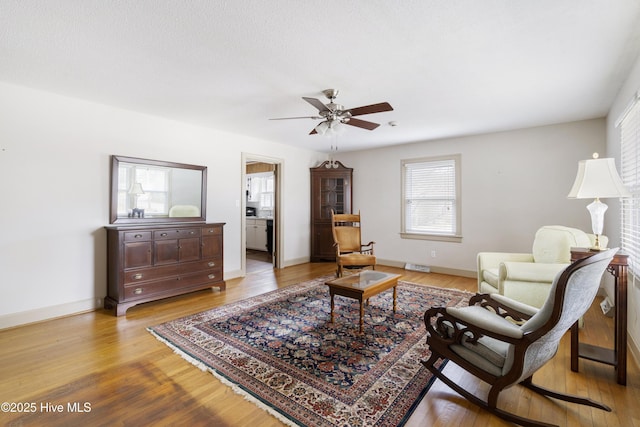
pixel 362 124
pixel 370 109
pixel 316 103
pixel 291 118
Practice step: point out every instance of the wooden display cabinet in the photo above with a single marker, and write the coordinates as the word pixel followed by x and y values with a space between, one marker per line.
pixel 331 188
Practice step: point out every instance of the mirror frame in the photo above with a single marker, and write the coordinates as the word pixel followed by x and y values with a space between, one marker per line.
pixel 115 164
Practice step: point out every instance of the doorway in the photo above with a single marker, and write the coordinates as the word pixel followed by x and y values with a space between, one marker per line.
pixel 261 243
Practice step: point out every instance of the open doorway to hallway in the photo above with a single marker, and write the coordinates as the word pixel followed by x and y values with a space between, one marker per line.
pixel 261 244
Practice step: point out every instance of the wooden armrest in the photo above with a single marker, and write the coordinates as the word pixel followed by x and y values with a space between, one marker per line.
pixel 368 248
pixel 452 329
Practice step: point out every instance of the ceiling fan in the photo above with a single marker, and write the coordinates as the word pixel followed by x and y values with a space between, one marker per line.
pixel 333 115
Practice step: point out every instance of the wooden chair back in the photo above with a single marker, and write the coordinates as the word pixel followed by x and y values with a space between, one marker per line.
pixel 346 232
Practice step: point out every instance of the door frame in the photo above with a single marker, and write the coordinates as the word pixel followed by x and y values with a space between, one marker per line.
pixel 278 241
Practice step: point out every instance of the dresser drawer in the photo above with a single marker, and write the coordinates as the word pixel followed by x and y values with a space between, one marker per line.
pixel 208 231
pixel 201 277
pixel 146 274
pixel 135 236
pixel 176 233
pixel 144 290
pixel 192 267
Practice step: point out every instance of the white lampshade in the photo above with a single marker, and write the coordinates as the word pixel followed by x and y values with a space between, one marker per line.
pixel 136 188
pixel 597 178
pixel 322 127
pixel 336 127
pixel 330 127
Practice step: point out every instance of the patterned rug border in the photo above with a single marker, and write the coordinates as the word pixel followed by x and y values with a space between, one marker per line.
pixel 256 301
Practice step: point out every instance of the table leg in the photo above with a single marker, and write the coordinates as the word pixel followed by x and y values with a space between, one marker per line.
pixel 395 298
pixel 620 323
pixel 332 306
pixel 617 356
pixel 361 316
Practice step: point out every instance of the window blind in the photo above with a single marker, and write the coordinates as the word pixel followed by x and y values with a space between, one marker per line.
pixel 430 197
pixel 630 174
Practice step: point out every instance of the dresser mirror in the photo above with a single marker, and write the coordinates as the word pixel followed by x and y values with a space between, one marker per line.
pixel 153 191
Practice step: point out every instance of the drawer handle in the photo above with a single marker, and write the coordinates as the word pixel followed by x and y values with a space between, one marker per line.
pixel 138 236
pixel 211 264
pixel 163 234
pixel 192 232
pixel 137 291
pixel 211 230
pixel 212 276
pixel 137 276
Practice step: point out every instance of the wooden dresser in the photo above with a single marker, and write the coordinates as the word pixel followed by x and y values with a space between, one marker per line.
pixel 150 262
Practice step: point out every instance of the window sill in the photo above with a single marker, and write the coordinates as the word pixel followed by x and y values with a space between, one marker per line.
pixel 434 237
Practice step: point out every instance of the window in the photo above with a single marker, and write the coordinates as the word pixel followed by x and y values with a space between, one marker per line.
pixel 431 198
pixel 152 194
pixel 261 190
pixel 630 174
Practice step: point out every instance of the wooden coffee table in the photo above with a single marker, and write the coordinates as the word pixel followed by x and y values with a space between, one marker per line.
pixel 362 286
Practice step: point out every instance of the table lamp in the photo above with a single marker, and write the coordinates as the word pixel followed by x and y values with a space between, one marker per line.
pixel 136 190
pixel 596 179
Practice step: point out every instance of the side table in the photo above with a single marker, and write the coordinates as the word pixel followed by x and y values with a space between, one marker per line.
pixel 617 356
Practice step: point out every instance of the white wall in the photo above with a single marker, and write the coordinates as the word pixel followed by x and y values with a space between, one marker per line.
pixel 54 194
pixel 512 183
pixel 612 218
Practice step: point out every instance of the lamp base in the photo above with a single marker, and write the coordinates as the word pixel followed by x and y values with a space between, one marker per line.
pixel 596 245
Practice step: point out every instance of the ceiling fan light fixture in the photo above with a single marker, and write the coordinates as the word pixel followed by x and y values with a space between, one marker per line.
pixel 322 127
pixel 330 127
pixel 336 127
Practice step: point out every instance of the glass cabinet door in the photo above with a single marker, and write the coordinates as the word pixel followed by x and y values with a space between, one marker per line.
pixel 332 196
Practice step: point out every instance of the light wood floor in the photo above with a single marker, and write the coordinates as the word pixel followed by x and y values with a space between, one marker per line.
pixel 131 379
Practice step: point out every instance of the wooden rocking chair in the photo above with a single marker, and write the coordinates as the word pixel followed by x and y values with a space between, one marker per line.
pixel 504 342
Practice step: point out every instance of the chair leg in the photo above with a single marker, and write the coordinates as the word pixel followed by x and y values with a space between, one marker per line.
pixel 507 416
pixel 566 397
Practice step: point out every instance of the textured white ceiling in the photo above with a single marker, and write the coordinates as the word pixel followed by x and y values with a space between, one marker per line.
pixel 448 68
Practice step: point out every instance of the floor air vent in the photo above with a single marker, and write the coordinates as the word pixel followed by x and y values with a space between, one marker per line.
pixel 417 267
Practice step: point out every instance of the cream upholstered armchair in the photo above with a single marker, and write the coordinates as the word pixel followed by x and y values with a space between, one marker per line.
pixel 527 277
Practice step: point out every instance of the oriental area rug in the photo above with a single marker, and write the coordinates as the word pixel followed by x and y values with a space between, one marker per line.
pixel 281 352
